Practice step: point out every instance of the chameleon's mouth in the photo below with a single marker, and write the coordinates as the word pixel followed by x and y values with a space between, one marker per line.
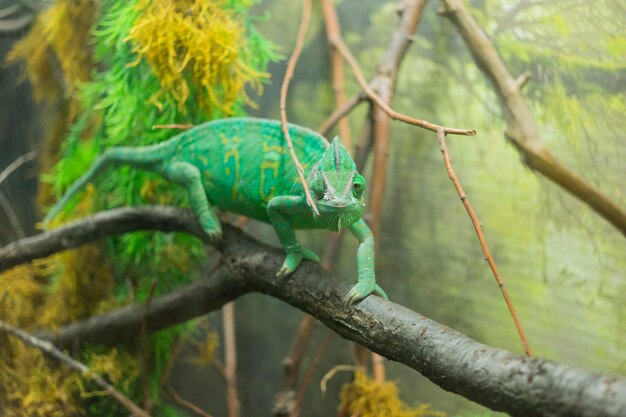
pixel 339 214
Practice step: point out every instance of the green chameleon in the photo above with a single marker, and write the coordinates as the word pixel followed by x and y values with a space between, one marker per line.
pixel 243 165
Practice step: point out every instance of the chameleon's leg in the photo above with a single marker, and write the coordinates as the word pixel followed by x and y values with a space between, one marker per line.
pixel 189 177
pixel 277 209
pixel 366 283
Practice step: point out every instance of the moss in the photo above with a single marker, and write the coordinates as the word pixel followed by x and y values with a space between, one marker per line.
pixel 203 47
pixel 60 36
pixel 365 397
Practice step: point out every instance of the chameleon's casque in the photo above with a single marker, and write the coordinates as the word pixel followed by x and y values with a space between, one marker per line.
pixel 243 165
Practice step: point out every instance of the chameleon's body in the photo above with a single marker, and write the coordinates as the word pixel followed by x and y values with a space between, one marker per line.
pixel 243 165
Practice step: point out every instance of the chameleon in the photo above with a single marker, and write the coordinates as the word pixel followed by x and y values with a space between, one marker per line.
pixel 243 166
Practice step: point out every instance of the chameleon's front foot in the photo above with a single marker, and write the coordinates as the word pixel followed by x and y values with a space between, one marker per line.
pixel 362 289
pixel 293 259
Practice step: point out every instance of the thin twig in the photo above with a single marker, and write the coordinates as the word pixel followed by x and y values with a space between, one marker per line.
pixel 230 359
pixel 308 376
pixel 143 349
pixel 284 400
pixel 291 66
pixel 340 112
pixel 48 349
pixel 6 206
pixel 184 403
pixel 443 147
pixel 338 42
pixel 165 375
pixel 219 367
pixel 18 162
pixel 183 126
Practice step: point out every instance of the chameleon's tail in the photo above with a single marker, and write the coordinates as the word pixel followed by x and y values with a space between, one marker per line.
pixel 145 157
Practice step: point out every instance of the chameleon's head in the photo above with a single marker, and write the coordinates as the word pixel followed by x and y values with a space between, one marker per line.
pixel 337 187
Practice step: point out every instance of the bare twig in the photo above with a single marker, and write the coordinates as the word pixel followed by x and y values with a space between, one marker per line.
pixel 340 112
pixel 6 206
pixel 443 147
pixel 291 66
pixel 358 74
pixel 16 24
pixel 219 367
pixel 230 359
pixel 308 376
pixel 165 375
pixel 48 349
pixel 284 401
pixel 143 350
pixel 186 404
pixel 8 11
pixel 18 162
pixel 183 126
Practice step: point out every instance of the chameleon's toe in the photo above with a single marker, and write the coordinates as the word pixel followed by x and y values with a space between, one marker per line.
pixel 378 290
pixel 214 235
pixel 292 260
pixel 359 292
pixel 212 227
pixel 310 255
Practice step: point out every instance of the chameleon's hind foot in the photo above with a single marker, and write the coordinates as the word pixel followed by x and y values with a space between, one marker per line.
pixel 211 226
pixel 293 259
pixel 363 289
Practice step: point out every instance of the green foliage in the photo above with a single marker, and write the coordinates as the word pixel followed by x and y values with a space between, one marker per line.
pixel 158 62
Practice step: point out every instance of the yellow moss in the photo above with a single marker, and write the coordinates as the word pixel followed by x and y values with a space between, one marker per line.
pixel 34 386
pixel 20 295
pixel 31 385
pixel 119 367
pixel 205 349
pixel 201 45
pixel 365 397
pixel 57 57
pixel 59 36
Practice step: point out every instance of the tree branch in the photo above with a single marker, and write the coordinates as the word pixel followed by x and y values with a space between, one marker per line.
pixel 522 130
pixel 493 377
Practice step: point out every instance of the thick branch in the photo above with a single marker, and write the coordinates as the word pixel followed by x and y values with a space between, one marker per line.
pixel 102 224
pixel 522 129
pixel 492 377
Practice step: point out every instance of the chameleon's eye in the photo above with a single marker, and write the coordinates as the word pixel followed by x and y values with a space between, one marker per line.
pixel 358 186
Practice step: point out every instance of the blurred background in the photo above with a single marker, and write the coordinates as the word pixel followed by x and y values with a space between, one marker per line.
pixel 563 265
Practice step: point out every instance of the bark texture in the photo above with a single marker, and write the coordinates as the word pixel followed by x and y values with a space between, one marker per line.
pixel 493 377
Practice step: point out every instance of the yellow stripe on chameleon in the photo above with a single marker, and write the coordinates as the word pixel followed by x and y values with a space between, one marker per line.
pixel 264 166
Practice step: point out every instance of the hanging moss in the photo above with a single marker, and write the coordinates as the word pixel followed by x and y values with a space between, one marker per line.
pixel 205 46
pixel 365 397
pixel 59 36
pixel 57 58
